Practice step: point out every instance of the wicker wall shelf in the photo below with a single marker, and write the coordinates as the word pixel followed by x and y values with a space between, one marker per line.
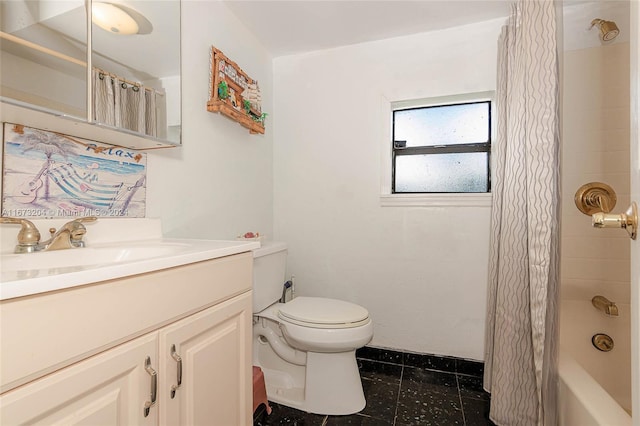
pixel 231 100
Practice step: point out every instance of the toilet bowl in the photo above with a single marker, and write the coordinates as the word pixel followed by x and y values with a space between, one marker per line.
pixel 324 325
pixel 306 347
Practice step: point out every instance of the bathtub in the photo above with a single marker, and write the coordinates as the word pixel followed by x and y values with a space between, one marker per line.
pixel 594 386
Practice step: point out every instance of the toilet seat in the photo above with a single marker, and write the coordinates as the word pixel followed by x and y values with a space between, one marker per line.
pixel 319 312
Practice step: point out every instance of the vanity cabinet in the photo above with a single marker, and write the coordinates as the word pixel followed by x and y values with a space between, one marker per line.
pixel 108 389
pixel 191 322
pixel 214 348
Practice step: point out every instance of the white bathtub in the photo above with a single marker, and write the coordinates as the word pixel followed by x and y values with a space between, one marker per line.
pixel 594 386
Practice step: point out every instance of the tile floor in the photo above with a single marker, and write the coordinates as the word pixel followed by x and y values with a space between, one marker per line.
pixel 404 389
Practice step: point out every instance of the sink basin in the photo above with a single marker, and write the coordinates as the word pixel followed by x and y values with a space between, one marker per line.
pixel 32 273
pixel 82 257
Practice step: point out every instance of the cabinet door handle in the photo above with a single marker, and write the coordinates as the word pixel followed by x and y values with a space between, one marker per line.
pixel 154 386
pixel 178 359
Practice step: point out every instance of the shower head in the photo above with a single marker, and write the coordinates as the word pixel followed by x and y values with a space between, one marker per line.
pixel 608 29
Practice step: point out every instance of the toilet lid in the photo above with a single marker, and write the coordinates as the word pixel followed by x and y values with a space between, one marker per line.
pixel 323 313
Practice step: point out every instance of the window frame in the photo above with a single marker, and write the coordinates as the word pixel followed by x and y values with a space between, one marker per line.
pixel 441 149
pixel 409 200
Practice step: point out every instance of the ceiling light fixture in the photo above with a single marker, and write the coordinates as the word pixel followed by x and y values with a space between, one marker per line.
pixel 111 18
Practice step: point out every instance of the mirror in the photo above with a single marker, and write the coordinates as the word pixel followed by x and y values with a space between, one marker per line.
pixel 129 83
pixel 39 65
pixel 144 67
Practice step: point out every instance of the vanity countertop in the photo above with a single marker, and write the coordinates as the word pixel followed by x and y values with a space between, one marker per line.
pixel 110 254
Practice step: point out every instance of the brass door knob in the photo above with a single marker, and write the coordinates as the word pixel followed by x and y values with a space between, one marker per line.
pixel 627 220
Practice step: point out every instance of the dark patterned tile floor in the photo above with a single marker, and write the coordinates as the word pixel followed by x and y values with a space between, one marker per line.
pixel 404 389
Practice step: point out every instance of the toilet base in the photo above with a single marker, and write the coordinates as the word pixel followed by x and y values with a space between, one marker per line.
pixel 333 385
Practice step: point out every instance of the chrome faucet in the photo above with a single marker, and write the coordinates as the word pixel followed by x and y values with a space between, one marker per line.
pixel 605 305
pixel 68 236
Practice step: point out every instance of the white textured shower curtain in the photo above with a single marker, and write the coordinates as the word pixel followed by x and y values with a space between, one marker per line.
pixel 521 328
pixel 121 104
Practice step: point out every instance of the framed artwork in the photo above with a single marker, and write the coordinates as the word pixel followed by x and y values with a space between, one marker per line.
pixel 234 94
pixel 50 175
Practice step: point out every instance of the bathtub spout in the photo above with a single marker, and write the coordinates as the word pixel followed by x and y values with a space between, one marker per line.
pixel 605 305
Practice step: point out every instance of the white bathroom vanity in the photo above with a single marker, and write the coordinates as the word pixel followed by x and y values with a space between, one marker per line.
pixel 157 339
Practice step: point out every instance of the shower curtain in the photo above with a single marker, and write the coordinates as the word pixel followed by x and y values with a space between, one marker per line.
pixel 121 104
pixel 521 327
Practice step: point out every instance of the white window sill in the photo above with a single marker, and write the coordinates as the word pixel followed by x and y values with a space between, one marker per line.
pixel 435 200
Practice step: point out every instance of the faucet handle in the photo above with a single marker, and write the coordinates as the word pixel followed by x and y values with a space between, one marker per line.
pixel 28 234
pixel 77 224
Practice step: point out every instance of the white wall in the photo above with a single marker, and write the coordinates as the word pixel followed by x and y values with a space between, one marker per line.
pixel 595 143
pixel 421 271
pixel 219 184
pixel 595 149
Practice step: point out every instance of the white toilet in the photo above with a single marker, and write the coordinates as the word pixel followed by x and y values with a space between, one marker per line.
pixel 306 347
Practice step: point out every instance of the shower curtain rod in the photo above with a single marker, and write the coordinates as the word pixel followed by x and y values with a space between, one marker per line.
pixel 132 83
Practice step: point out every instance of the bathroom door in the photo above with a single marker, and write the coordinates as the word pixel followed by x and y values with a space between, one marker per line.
pixel 635 196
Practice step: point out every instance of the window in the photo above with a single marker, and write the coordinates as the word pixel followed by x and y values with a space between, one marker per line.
pixel 441 148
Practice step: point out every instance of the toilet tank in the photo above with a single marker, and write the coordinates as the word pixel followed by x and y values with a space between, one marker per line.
pixel 269 268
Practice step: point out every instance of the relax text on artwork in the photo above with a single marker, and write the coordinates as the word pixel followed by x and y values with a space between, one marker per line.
pixel 118 152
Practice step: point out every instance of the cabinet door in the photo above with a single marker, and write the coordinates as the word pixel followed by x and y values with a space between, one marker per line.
pixel 214 347
pixel 108 389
